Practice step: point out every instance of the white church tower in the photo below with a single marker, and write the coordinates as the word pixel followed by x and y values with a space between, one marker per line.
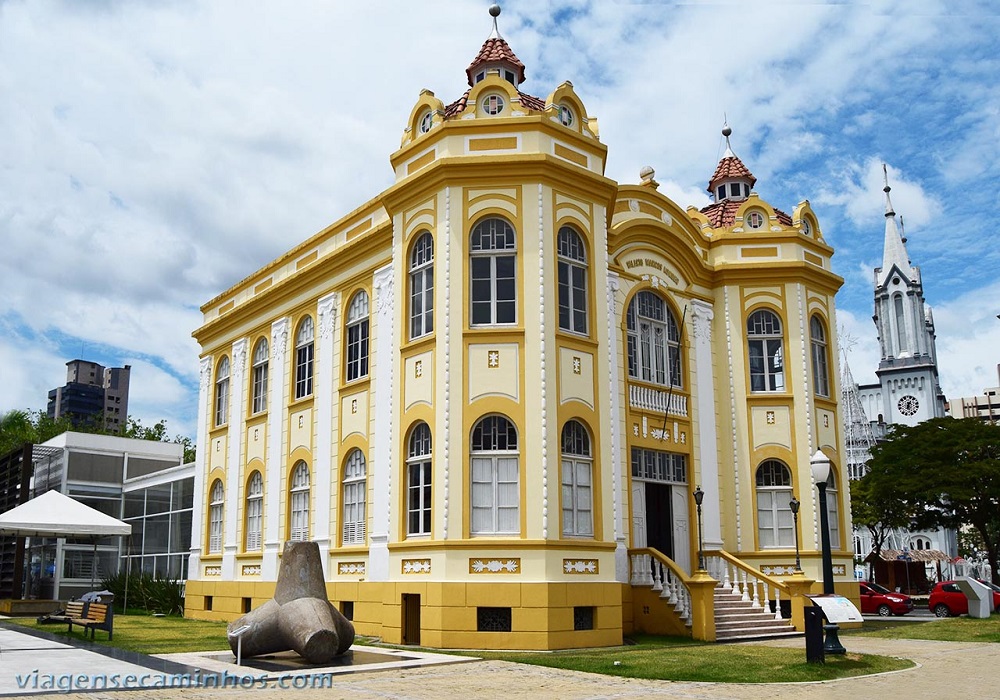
pixel 908 391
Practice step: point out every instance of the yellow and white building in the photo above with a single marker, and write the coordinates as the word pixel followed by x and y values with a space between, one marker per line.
pixel 490 392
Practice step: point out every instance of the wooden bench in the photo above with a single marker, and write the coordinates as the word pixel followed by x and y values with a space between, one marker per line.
pixel 74 609
pixel 96 616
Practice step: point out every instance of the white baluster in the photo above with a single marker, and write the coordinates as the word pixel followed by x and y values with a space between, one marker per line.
pixel 756 596
pixel 671 590
pixel 726 585
pixel 677 595
pixel 745 597
pixel 777 603
pixel 635 570
pixel 657 568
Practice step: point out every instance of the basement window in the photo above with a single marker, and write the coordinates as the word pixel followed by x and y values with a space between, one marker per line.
pixel 583 617
pixel 493 620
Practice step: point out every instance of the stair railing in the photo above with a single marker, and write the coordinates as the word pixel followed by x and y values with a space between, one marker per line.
pixel 752 585
pixel 650 567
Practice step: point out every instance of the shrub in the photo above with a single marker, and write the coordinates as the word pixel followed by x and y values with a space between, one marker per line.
pixel 147 592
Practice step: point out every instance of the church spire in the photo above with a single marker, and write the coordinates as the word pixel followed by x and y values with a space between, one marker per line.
pixel 894 249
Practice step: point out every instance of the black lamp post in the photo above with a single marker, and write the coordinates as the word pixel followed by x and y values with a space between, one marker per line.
pixel 699 496
pixel 820 464
pixel 794 506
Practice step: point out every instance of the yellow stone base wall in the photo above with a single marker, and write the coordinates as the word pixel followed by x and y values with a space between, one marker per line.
pixel 650 614
pixel 541 613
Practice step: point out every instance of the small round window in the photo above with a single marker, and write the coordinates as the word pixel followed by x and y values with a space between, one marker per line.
pixel 755 219
pixel 565 115
pixel 807 227
pixel 493 104
pixel 425 122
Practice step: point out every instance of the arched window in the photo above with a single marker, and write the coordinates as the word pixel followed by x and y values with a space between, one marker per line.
pixel 355 494
pixel 821 376
pixel 222 392
pixel 654 341
pixel 357 337
pixel 255 511
pixel 216 502
pixel 572 263
pixel 298 497
pixel 767 354
pixel 259 380
pixel 833 509
pixel 304 358
pixel 897 306
pixel 577 481
pixel 418 481
pixel 492 262
pixel 422 286
pixel 496 495
pixel 774 515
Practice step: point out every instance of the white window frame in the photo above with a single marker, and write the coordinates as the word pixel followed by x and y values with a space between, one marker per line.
pixel 259 377
pixel 217 502
pixel 653 341
pixel 255 512
pixel 492 250
pixel 572 280
pixel 298 500
pixel 354 498
pixel 817 338
pixel 775 524
pixel 766 351
pixel 418 482
pixel 304 354
pixel 494 468
pixel 422 286
pixel 577 481
pixel 357 331
pixel 222 392
pixel 833 509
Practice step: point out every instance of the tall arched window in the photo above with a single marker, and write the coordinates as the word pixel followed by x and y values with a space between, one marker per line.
pixel 255 512
pixel 492 262
pixel 577 481
pixel 222 392
pixel 298 497
pixel 357 337
pixel 496 495
pixel 216 502
pixel 654 341
pixel 259 380
pixel 775 526
pixel 897 307
pixel 817 337
pixel 304 358
pixel 767 354
pixel 355 493
pixel 833 509
pixel 572 263
pixel 422 286
pixel 418 481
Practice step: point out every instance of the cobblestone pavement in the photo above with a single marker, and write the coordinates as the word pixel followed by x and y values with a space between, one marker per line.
pixel 945 670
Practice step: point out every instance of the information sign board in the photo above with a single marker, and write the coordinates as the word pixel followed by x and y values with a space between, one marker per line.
pixel 837 608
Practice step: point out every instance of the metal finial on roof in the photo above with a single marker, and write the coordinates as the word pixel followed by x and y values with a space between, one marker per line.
pixel 888 203
pixel 494 13
pixel 727 132
pixel 902 230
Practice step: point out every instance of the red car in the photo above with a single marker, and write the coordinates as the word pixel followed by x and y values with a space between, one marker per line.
pixel 948 599
pixel 876 599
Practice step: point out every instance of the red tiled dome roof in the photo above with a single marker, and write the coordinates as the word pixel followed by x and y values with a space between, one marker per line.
pixel 730 167
pixel 496 50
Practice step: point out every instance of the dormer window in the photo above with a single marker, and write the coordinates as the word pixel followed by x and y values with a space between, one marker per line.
pixel 565 115
pixel 426 120
pixel 493 104
pixel 755 219
pixel 507 75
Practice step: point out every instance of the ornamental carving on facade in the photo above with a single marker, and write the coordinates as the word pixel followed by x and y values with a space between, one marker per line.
pixel 416 566
pixel 351 567
pixel 580 566
pixel 494 566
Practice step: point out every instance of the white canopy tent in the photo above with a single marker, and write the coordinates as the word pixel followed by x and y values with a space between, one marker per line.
pixel 54 514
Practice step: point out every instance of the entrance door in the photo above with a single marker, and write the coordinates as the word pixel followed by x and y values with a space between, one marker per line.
pixel 659 522
pixel 411 618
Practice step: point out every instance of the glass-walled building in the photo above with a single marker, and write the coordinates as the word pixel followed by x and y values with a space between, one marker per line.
pixel 158 507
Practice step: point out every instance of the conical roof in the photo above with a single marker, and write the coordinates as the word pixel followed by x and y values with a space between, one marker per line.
pixel 495 51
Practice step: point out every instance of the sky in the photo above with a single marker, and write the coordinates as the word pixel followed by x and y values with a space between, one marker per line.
pixel 153 153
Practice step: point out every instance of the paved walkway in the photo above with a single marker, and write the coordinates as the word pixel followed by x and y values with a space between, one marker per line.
pixel 969 671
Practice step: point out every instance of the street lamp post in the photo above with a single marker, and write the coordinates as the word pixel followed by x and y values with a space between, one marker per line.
pixel 794 506
pixel 699 496
pixel 820 464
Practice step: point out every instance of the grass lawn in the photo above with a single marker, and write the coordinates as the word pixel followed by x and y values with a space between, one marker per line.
pixel 952 629
pixel 666 658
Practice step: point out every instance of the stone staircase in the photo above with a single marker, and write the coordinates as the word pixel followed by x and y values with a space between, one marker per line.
pixel 738 620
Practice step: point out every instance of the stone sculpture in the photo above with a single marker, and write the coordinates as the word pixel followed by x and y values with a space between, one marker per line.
pixel 299 617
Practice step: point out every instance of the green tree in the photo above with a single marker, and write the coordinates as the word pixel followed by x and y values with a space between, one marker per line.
pixel 946 472
pixel 879 510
